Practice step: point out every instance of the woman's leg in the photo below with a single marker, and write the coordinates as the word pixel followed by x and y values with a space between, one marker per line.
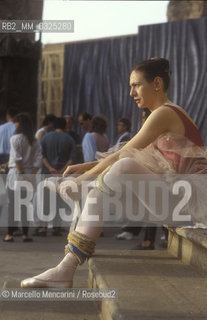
pixel 11 224
pixel 121 167
pixel 62 274
pixel 81 242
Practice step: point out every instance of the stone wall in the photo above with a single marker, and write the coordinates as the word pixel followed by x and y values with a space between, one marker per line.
pixel 181 10
pixel 52 80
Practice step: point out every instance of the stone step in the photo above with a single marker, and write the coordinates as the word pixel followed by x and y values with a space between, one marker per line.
pixel 151 285
pixel 189 245
pixel 21 260
pixel 46 310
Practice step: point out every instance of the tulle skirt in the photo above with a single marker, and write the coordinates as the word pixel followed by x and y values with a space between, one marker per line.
pixel 176 158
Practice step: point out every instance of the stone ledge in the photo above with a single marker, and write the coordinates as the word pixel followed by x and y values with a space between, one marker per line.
pixel 109 309
pixel 151 285
pixel 189 245
pixel 198 236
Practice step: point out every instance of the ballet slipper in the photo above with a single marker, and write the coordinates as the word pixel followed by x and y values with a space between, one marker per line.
pixel 36 283
pixel 60 276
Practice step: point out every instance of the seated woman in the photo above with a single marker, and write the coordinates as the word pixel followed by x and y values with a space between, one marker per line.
pixel 159 147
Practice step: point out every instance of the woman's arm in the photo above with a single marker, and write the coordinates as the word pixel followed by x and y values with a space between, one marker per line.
pixel 160 121
pixel 100 167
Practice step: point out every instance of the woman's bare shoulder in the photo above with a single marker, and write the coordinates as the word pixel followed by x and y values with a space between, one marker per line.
pixel 164 119
pixel 161 114
pixel 179 108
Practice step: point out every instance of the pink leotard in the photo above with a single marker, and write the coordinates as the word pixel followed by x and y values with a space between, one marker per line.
pixel 191 133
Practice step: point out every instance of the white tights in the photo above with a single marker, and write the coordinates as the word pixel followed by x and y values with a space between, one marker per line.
pixel 66 268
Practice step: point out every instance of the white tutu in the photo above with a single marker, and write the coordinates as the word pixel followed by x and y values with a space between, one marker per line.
pixel 176 158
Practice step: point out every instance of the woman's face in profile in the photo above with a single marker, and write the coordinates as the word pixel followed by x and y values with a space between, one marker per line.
pixel 141 90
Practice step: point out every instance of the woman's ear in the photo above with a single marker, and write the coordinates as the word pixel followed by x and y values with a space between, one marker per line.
pixel 158 83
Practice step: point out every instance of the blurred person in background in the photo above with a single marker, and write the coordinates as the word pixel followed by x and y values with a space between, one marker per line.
pixel 123 129
pixel 95 140
pixel 48 124
pixel 84 120
pixel 77 138
pixel 6 131
pixel 24 161
pixel 59 151
pixel 70 120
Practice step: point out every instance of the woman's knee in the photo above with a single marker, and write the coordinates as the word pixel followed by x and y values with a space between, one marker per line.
pixel 123 166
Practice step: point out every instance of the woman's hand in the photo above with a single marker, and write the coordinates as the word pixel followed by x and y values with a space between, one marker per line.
pixel 70 188
pixel 79 168
pixel 74 169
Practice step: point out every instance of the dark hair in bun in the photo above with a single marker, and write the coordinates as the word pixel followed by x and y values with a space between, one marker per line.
pixel 155 67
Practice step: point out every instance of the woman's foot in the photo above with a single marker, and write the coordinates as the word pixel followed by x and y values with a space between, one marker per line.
pixel 60 276
pixel 8 238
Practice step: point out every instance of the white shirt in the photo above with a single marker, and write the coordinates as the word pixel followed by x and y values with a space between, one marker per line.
pixel 40 130
pixel 29 155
